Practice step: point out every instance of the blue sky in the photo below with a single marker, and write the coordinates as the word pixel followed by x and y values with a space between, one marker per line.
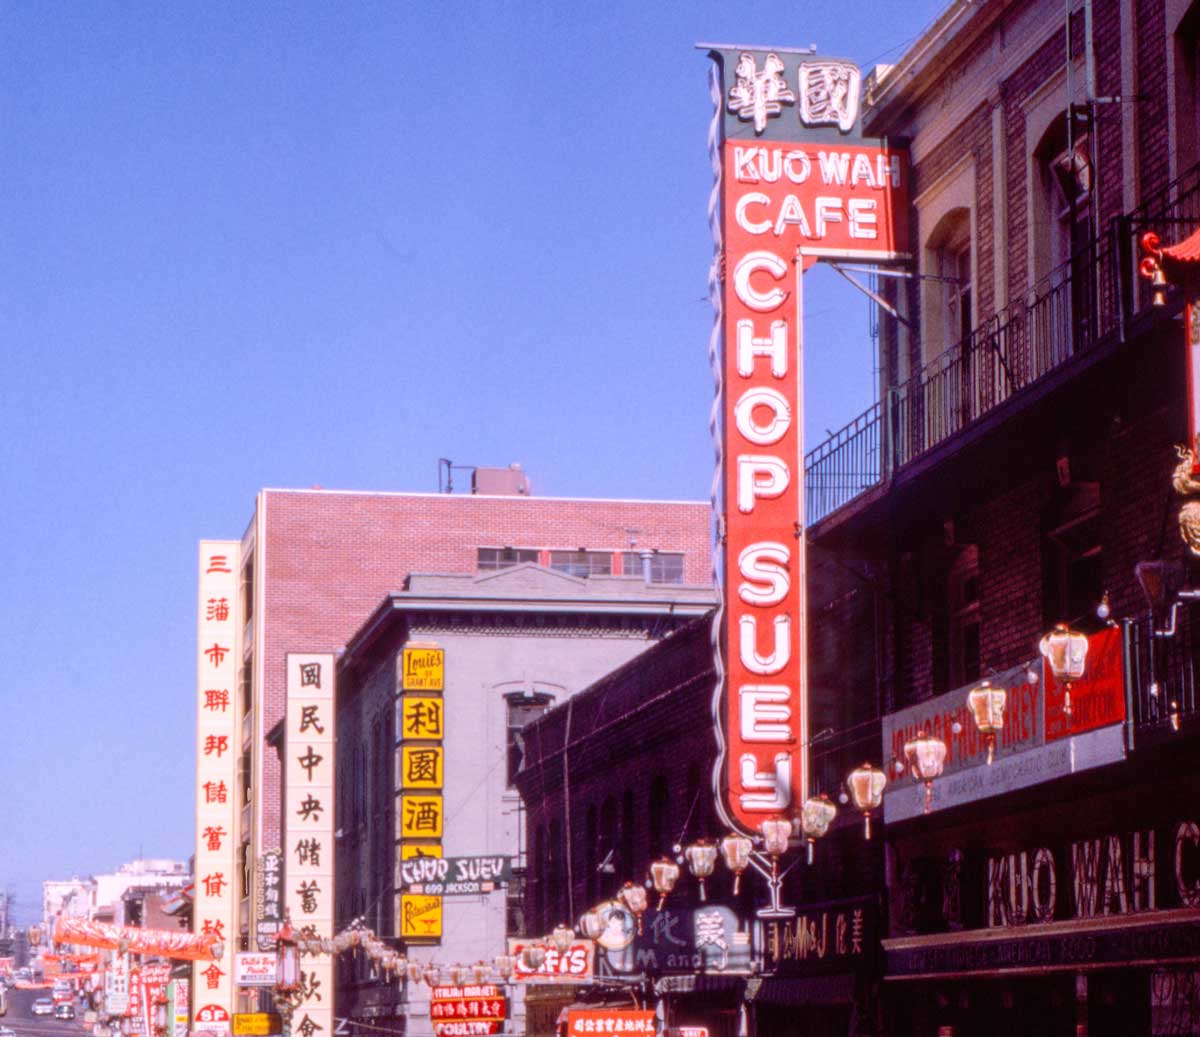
pixel 296 244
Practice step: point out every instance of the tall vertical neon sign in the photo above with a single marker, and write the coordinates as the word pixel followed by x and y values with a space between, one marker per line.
pixel 795 183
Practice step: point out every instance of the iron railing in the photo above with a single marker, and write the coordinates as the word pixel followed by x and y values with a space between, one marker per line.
pixel 1161 672
pixel 1087 300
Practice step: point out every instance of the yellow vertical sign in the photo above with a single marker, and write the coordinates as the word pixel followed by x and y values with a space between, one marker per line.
pixel 420 917
pixel 420 772
pixel 422 668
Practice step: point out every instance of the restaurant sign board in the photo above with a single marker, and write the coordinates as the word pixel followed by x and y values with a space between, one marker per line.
pixel 795 182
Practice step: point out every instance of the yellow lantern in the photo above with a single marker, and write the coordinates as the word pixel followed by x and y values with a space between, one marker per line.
pixel 987 707
pixel 561 938
pixel 634 898
pixel 736 849
pixel 664 873
pixel 1066 652
pixel 701 857
pixel 816 816
pixel 866 784
pixel 926 755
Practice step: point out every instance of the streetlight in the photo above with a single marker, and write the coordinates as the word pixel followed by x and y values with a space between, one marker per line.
pixel 633 897
pixel 503 964
pixel 816 816
pixel 1066 651
pixel 562 937
pixel 736 850
pixel 866 785
pixel 987 707
pixel 926 755
pixel 701 856
pixel 664 873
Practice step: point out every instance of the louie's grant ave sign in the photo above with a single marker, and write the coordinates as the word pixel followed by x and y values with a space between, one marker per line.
pixel 794 183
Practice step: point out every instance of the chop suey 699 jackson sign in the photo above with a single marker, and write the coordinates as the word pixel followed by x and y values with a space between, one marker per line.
pixel 795 182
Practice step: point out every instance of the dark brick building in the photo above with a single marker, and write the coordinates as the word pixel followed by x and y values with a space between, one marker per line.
pixel 1013 474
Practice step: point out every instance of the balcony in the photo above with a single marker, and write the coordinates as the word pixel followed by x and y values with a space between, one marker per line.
pixel 1089 301
pixel 1161 675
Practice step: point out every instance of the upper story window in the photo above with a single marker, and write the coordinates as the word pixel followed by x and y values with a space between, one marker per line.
pixel 1062 195
pixel 946 218
pixel 491 559
pixel 963 594
pixel 582 563
pixel 951 316
pixel 523 708
pixel 1072 555
pixel 665 567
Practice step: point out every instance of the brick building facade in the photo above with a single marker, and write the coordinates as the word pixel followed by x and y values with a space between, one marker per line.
pixel 317 563
pixel 1014 473
pixel 517 641
pixel 1019 468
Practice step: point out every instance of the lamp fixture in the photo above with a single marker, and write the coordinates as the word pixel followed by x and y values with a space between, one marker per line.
pixel 926 755
pixel 866 785
pixel 987 707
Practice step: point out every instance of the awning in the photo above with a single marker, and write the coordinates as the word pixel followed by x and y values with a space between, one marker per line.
pixel 699 984
pixel 808 990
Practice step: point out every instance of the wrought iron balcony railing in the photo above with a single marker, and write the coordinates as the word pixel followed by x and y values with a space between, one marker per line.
pixel 1161 672
pixel 1088 300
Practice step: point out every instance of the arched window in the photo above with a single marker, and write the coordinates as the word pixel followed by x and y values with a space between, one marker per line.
pixel 658 817
pixel 625 867
pixel 1062 197
pixel 595 850
pixel 946 297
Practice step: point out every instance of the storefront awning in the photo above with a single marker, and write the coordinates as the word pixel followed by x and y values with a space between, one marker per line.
pixel 806 990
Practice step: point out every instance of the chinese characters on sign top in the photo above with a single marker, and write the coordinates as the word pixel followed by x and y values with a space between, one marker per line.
pixel 308 830
pixel 791 189
pixel 217 728
pixel 828 90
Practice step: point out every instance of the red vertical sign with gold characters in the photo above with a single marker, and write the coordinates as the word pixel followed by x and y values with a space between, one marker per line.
pixel 218 747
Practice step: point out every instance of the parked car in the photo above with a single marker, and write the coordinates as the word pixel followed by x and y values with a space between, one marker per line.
pixel 7 1031
pixel 66 1010
pixel 43 1006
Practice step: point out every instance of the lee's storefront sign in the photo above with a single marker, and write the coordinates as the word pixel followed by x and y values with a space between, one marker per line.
pixel 795 183
pixel 1039 741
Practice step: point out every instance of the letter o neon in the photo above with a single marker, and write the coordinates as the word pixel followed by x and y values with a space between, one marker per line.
pixel 775 428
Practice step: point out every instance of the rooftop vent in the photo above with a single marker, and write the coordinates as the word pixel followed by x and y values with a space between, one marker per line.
pixel 500 482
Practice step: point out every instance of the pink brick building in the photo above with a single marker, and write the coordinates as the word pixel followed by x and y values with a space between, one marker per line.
pixel 316 564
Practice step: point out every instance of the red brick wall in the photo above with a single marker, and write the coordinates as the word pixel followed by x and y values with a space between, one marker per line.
pixel 1151 64
pixel 1049 59
pixel 328 558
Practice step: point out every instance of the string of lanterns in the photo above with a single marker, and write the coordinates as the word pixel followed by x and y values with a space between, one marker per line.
pixel 1065 651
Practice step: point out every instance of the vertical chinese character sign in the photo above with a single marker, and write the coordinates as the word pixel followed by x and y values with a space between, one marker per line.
pixel 795 182
pixel 218 748
pixel 308 829
pixel 420 736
